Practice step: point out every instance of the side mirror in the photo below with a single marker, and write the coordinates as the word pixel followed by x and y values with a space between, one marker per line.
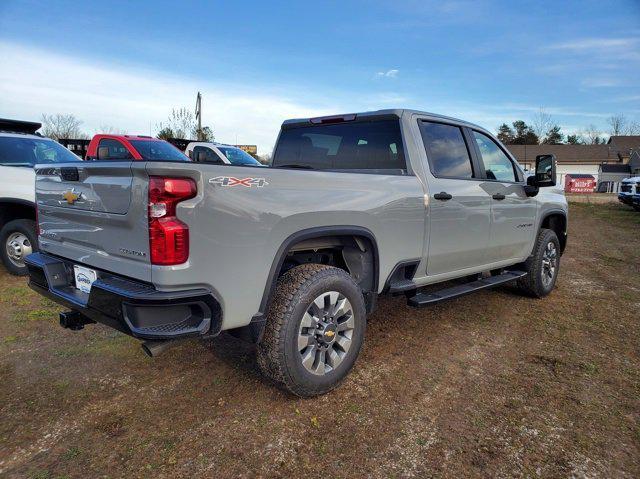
pixel 545 170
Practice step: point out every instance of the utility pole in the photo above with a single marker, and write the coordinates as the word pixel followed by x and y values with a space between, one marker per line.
pixel 199 115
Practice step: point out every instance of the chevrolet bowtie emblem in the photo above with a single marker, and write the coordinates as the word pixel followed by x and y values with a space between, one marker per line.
pixel 71 196
pixel 330 334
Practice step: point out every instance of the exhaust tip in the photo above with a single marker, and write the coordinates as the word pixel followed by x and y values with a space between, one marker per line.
pixel 153 348
pixel 146 350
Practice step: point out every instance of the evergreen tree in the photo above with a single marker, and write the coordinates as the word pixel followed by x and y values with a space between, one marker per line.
pixel 165 133
pixel 524 135
pixel 505 134
pixel 554 136
pixel 574 140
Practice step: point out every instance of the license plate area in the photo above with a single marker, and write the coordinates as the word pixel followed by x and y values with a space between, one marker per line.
pixel 84 278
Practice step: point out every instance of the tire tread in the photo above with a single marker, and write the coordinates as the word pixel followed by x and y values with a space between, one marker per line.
pixel 271 351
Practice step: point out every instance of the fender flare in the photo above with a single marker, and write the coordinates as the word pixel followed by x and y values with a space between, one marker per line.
pixel 8 201
pixel 18 201
pixel 553 212
pixel 302 235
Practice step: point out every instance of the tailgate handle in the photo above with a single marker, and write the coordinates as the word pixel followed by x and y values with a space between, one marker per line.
pixel 69 173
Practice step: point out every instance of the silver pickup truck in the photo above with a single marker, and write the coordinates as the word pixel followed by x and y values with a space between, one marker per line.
pixel 293 257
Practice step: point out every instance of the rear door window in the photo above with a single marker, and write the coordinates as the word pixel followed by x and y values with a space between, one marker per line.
pixel 447 151
pixel 497 165
pixel 366 146
pixel 110 149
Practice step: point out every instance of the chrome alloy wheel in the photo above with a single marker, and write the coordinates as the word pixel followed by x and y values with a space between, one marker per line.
pixel 18 246
pixel 549 264
pixel 325 333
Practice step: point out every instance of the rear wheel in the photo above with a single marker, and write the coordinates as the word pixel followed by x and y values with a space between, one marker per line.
pixel 542 266
pixel 314 329
pixel 18 239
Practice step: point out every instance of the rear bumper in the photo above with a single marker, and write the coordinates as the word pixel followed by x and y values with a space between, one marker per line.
pixel 133 307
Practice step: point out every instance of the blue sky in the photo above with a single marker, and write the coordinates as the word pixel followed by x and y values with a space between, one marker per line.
pixel 126 64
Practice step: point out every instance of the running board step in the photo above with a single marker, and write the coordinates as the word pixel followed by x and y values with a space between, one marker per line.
pixel 421 300
pixel 401 285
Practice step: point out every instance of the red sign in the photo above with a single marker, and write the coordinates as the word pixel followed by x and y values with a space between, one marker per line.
pixel 586 184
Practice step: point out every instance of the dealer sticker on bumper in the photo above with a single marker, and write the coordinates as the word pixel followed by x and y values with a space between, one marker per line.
pixel 84 278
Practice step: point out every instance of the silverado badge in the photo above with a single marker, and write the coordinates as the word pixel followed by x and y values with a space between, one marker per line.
pixel 71 196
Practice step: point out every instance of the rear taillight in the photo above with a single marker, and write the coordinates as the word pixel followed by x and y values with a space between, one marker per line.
pixel 168 236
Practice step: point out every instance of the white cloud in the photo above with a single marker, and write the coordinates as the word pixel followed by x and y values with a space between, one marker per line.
pixel 601 82
pixel 590 44
pixel 34 81
pixel 388 74
pixel 601 51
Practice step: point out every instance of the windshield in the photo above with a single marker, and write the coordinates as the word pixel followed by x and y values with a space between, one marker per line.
pixel 16 151
pixel 158 150
pixel 236 156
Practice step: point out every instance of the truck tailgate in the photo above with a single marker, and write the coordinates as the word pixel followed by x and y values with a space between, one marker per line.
pixel 95 213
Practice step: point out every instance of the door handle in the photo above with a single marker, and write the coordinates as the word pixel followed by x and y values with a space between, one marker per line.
pixel 442 196
pixel 498 196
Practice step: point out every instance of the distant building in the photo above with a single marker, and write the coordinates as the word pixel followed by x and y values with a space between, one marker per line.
pixel 634 163
pixel 613 172
pixel 612 162
pixel 577 159
pixel 624 146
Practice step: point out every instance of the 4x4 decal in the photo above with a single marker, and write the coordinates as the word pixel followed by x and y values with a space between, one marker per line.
pixel 233 181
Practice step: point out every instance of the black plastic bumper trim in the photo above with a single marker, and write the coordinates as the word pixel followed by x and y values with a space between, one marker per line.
pixel 133 307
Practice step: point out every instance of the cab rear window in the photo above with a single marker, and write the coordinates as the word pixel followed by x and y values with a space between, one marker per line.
pixel 364 147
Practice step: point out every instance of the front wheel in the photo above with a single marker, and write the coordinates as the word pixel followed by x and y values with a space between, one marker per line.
pixel 314 329
pixel 18 239
pixel 542 266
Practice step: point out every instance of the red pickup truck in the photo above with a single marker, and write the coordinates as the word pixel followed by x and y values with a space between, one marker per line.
pixel 132 147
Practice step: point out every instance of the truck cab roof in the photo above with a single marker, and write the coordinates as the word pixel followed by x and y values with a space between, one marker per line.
pixel 377 114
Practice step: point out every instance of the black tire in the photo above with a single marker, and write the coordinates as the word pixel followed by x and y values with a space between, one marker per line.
pixel 533 284
pixel 636 207
pixel 279 354
pixel 21 229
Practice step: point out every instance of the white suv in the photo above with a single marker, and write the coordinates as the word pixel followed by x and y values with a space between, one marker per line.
pixel 209 152
pixel 20 149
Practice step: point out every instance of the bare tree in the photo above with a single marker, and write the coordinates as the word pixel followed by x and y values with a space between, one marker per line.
pixel 618 124
pixel 181 123
pixel 61 126
pixel 542 122
pixel 111 130
pixel 633 128
pixel 592 135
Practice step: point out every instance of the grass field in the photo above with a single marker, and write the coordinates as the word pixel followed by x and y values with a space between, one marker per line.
pixel 492 384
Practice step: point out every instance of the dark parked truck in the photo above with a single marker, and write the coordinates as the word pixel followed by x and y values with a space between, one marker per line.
pixel 294 256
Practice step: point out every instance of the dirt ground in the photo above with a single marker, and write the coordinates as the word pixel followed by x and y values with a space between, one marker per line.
pixel 492 384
